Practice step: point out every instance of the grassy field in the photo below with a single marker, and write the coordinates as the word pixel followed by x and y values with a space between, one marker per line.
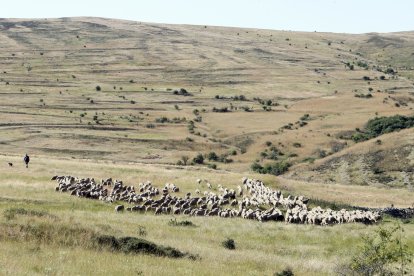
pixel 94 97
pixel 261 248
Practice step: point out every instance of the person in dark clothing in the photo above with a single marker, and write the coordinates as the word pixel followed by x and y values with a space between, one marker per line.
pixel 26 160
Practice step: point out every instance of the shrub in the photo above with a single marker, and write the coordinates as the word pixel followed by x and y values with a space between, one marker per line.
pixel 286 272
pixel 142 231
pixel 199 159
pixel 256 167
pixel 185 223
pixel 162 120
pixel 321 153
pixel 212 156
pixel 365 96
pixel 362 64
pixel 98 88
pixel 384 253
pixel 305 117
pixel 275 168
pixel 229 244
pixel 136 246
pixel 221 109
pixel 337 146
pixel 182 92
pixel 212 166
pixel 382 125
pixel 223 158
pixel 184 159
pixel 390 71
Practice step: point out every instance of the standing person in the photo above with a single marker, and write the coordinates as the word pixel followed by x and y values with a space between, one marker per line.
pixel 26 160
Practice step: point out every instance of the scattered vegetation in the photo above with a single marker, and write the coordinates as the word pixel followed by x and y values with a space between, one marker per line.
pixel 272 153
pixel 275 168
pixel 234 98
pixel 364 96
pixel 175 120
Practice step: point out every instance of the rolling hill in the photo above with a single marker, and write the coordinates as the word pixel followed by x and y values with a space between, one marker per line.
pixel 52 69
pixel 134 101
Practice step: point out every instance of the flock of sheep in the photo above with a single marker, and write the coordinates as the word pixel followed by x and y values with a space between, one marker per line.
pixel 251 200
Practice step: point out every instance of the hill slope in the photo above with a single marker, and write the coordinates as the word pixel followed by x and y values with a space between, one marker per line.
pixel 52 105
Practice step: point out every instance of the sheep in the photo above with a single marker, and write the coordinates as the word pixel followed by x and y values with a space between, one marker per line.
pixel 257 196
pixel 119 208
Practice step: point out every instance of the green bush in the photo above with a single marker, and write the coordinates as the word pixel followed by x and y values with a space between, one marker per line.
pixel 212 156
pixel 286 272
pixel 229 244
pixel 199 159
pixel 275 168
pixel 212 166
pixel 382 125
pixel 384 253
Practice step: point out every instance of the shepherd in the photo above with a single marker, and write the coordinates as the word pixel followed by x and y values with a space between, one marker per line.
pixel 26 160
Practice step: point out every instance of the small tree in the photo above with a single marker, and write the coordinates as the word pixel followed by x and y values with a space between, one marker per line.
pixel 199 159
pixel 212 156
pixel 384 253
pixel 184 159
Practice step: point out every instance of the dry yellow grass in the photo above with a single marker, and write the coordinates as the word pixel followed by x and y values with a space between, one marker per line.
pixel 262 248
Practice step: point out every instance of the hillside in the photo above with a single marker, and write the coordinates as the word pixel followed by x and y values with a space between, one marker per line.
pixel 51 106
pixel 195 107
pixel 385 162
